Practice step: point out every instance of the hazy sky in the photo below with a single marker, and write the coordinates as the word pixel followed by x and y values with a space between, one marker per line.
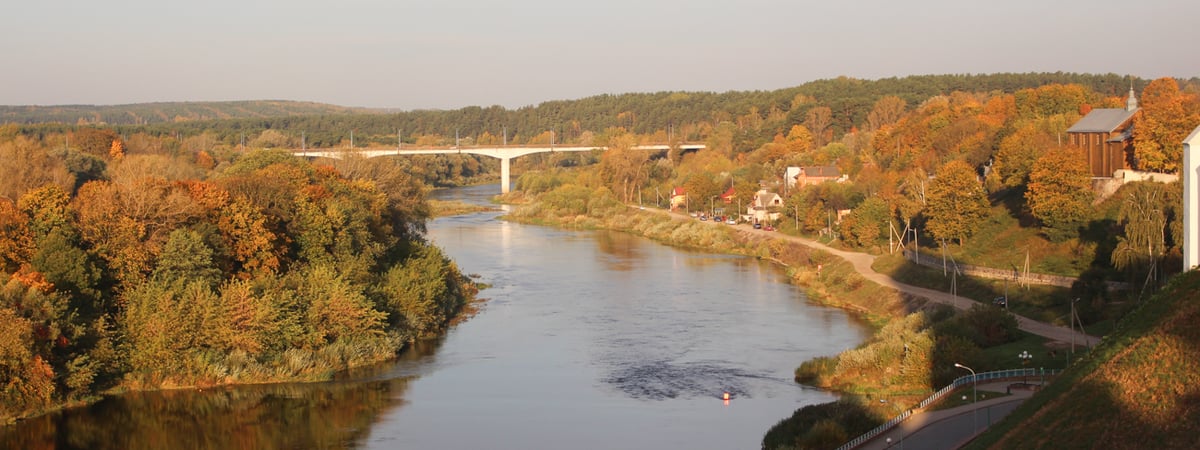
pixel 448 54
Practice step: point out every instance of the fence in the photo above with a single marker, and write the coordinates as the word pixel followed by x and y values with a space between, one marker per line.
pixel 1000 274
pixel 958 382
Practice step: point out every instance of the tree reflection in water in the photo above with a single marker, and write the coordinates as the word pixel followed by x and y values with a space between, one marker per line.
pixel 287 416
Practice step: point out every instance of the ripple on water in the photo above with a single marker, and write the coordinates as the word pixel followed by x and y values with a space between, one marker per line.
pixel 662 380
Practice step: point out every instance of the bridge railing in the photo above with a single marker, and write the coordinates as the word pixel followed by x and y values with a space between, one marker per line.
pixel 484 146
pixel 958 382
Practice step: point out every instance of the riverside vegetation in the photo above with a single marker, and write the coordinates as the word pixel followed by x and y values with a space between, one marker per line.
pixel 157 270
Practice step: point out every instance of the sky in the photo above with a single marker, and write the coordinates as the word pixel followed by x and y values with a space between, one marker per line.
pixel 448 54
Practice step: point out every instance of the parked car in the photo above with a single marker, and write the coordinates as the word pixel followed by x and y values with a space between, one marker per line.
pixel 768 228
pixel 1000 301
pixel 757 226
pixel 703 217
pixel 731 221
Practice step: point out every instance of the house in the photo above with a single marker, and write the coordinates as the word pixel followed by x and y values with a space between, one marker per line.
pixel 760 210
pixel 813 175
pixel 678 198
pixel 729 195
pixel 1106 137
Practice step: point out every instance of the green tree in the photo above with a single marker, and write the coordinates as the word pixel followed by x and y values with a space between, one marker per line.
pixel 1143 242
pixel 186 258
pixel 957 203
pixel 422 291
pixel 1060 192
pixel 867 223
pixel 67 266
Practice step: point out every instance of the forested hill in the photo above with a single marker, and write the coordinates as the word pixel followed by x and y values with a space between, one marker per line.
pixel 152 113
pixel 849 101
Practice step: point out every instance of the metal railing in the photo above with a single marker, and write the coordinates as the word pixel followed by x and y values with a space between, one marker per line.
pixel 958 382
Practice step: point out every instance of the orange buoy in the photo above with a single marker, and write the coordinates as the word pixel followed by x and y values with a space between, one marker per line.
pixel 725 397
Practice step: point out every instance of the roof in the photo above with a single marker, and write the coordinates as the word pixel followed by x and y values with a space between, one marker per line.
pixel 1104 120
pixel 820 171
pixel 678 191
pixel 729 193
pixel 764 198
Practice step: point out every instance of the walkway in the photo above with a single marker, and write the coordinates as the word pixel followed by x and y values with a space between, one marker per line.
pixel 862 263
pixel 954 427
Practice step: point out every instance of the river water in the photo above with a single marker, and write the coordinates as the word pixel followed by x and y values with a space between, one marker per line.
pixel 587 339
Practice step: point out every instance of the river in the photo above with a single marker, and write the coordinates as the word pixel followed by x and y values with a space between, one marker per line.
pixel 587 339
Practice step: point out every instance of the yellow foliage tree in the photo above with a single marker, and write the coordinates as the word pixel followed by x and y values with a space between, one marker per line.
pixel 117 150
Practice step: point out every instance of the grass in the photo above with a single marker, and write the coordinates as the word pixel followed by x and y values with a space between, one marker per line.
pixel 1043 303
pixel 1137 389
pixel 443 208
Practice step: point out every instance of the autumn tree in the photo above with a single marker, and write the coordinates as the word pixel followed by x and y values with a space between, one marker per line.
pixel 1060 194
pixel 1018 152
pixel 957 204
pixel 271 139
pixel 1165 118
pixel 117 150
pixel 887 110
pixel 94 141
pixel 622 168
pixel 16 240
pixel 28 166
pixel 819 121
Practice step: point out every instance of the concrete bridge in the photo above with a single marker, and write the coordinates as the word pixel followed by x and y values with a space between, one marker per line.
pixel 504 153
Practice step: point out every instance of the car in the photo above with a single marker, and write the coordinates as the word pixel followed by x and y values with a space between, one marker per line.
pixel 731 221
pixel 757 226
pixel 1000 301
pixel 768 228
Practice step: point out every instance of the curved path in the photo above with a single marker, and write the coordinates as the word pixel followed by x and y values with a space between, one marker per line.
pixel 862 263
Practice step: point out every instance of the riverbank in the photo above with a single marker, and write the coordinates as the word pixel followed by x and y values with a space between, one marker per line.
pixel 898 365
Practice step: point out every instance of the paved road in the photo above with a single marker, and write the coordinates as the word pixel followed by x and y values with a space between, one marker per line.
pixel 950 428
pixel 862 264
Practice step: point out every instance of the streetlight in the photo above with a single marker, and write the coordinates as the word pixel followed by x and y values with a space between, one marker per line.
pixel 974 396
pixel 1025 357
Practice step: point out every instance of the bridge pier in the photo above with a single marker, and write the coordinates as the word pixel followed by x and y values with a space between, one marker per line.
pixel 504 182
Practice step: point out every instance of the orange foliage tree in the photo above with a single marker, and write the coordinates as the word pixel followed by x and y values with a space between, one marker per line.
pixel 1166 117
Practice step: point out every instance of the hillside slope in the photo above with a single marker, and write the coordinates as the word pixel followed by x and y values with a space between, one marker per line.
pixel 151 113
pixel 1139 389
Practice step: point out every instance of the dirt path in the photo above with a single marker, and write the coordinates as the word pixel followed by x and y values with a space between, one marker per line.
pixel 862 264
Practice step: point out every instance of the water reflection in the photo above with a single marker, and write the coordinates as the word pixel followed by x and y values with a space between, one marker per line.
pixel 324 415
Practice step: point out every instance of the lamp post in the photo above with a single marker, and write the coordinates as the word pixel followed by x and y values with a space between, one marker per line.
pixel 974 396
pixel 1025 357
